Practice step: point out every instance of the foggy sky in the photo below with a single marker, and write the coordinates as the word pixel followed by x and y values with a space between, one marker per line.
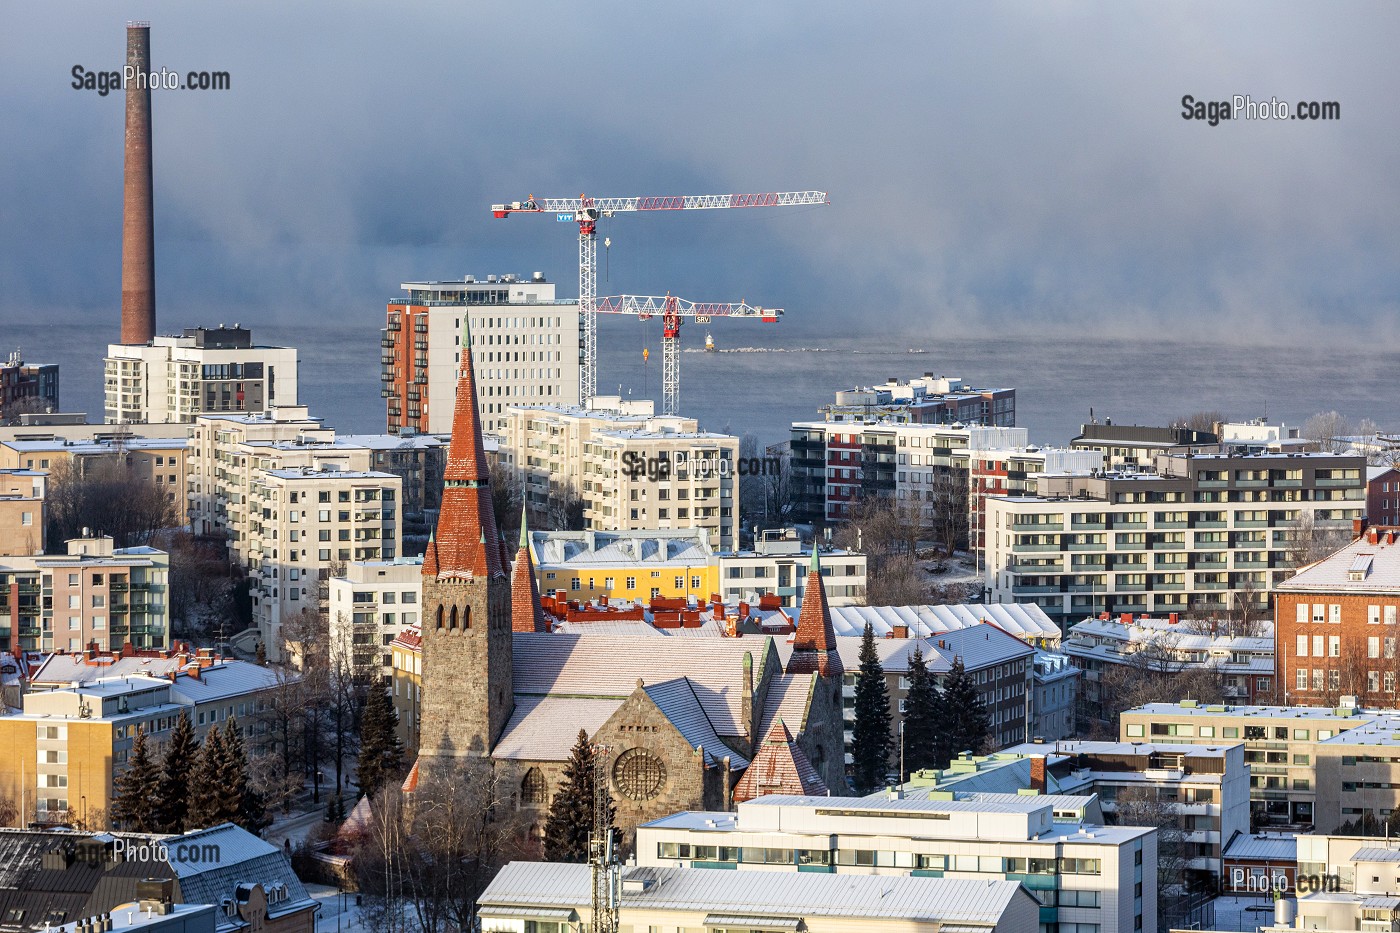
pixel 1013 166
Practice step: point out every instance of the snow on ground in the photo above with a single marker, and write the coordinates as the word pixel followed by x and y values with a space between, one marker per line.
pixel 1243 914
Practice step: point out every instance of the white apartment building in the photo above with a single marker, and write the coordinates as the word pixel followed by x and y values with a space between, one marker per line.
pixel 1056 691
pixel 778 564
pixel 632 469
pixel 1086 877
pixel 1204 533
pixel 173 379
pixel 303 525
pixel 371 603
pixel 525 349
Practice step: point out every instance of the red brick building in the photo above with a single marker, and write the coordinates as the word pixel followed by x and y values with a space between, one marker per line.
pixel 1383 496
pixel 1337 624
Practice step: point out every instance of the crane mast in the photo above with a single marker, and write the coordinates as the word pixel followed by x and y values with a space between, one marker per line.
pixel 672 310
pixel 585 211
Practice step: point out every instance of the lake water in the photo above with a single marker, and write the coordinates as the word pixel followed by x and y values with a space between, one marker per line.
pixel 765 377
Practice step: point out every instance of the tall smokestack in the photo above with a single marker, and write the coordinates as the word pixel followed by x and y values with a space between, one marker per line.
pixel 138 231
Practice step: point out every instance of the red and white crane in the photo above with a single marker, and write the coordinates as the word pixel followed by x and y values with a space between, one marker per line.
pixel 585 211
pixel 671 310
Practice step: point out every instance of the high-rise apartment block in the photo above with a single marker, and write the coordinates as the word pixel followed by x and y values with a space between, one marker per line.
pixel 632 470
pixel 929 399
pixel 1204 533
pixel 174 379
pixel 26 388
pixel 525 346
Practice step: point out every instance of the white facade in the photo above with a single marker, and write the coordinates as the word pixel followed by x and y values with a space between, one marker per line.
pixel 371 603
pixel 779 564
pixel 525 349
pixel 1104 876
pixel 1056 689
pixel 304 524
pixel 173 379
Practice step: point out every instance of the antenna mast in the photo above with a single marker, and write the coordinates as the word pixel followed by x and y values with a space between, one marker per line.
pixel 604 868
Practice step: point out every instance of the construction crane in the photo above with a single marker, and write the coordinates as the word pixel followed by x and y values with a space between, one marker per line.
pixel 585 211
pixel 671 310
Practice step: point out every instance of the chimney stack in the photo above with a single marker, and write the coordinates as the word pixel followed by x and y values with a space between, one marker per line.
pixel 1038 773
pixel 138 233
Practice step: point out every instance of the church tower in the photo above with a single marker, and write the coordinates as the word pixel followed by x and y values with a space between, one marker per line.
pixel 526 614
pixel 814 645
pixel 467 679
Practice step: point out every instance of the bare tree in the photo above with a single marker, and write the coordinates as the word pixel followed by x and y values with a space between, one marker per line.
pixel 1177 888
pixel 1207 421
pixel 101 495
pixel 564 511
pixel 200 585
pixel 506 496
pixel 900 580
pixel 1328 431
pixel 951 501
pixel 1309 542
pixel 381 862
pixel 1153 672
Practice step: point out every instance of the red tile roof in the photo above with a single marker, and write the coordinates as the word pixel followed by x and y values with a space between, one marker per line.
pixel 780 767
pixel 814 645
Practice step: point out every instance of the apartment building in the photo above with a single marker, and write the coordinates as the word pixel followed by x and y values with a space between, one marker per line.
pixel 173 379
pixel 1205 787
pixel 550 897
pixel 1336 624
pixel 1306 767
pixel 928 399
pixel 22 512
pixel 669 563
pixel 406 686
pixel 93 594
pixel 305 523
pixel 371 603
pixel 1055 684
pixel 1245 664
pixel 1080 872
pixel 1203 534
pixel 26 387
pixel 59 754
pixel 525 350
pixel 632 470
pixel 1383 496
pixel 1015 471
pixel 1130 446
pixel 158 461
pixel 777 564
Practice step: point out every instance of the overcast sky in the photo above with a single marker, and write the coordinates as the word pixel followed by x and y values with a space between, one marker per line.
pixel 1002 165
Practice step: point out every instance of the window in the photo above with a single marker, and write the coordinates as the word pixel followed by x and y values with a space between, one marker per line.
pixel 1302 650
pixel 1334 613
pixel 1334 679
pixel 1302 679
pixel 1134 730
pixel 533 792
pixel 1317 678
pixel 631 583
pixel 1373 647
pixel 1373 615
pixel 1389 615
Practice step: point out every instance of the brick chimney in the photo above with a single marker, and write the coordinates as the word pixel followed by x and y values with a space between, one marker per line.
pixel 899 631
pixel 1038 773
pixel 138 229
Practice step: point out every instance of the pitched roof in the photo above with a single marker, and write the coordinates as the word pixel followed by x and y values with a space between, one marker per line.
pixel 607 666
pixel 678 702
pixel 1334 573
pixel 212 863
pixel 1024 620
pixel 526 614
pixel 814 644
pixel 779 767
pixel 789 698
pixel 465 540
pixel 544 728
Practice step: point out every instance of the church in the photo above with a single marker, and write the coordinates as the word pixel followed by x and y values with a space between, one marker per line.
pixel 685 723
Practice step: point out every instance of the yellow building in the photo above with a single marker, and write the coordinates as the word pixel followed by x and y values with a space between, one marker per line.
pixel 630 565
pixel 406 683
pixel 160 461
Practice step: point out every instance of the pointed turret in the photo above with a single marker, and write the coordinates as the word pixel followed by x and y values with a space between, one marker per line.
pixel 466 522
pixel 814 645
pixel 526 614
pixel 780 767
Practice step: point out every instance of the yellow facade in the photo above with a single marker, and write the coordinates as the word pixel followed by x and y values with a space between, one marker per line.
pixel 87 747
pixel 405 689
pixel 669 580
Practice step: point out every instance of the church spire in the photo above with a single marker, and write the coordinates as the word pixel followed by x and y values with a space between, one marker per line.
pixel 526 615
pixel 466 521
pixel 814 645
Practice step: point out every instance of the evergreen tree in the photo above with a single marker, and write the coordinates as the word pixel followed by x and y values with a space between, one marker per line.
pixel 570 818
pixel 181 759
pixel 261 657
pixel 242 804
pixel 924 725
pixel 968 724
pixel 206 803
pixel 135 799
pixel 381 754
pixel 870 736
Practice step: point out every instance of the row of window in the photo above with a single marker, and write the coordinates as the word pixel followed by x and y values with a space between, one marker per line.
pixel 883 858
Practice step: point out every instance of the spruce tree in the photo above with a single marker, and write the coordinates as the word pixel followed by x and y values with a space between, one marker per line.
pixel 181 758
pixel 206 803
pixel 242 804
pixel 136 790
pixel 968 725
pixel 381 754
pixel 570 818
pixel 924 724
pixel 870 736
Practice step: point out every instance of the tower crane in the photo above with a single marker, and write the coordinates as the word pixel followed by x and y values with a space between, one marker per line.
pixel 672 310
pixel 585 211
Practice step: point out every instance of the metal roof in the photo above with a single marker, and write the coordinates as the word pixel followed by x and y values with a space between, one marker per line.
pixel 1333 574
pixel 1024 620
pixel 1375 854
pixel 755 894
pixel 1266 847
pixel 678 702
pixel 545 728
